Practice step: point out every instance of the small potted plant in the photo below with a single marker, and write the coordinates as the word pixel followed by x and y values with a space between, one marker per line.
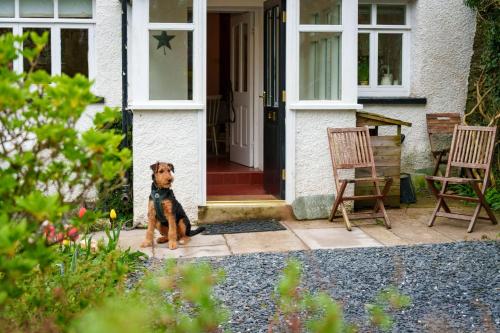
pixel 363 73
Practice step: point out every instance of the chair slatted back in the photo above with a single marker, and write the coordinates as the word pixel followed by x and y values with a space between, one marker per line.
pixel 472 147
pixel 351 148
pixel 213 107
pixel 442 123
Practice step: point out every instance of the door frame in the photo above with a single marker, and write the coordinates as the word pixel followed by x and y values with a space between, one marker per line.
pixel 257 84
pixel 290 64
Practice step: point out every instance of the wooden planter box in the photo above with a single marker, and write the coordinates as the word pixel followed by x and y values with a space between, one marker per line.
pixel 387 154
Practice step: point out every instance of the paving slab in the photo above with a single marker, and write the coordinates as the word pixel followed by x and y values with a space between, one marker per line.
pixel 312 224
pixel 383 235
pixel 163 252
pixel 271 241
pixel 335 238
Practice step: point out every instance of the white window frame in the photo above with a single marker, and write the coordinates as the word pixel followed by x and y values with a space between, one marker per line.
pixel 373 30
pixel 55 24
pixel 349 40
pixel 140 58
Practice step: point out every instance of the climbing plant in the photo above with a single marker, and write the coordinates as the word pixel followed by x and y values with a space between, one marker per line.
pixel 483 102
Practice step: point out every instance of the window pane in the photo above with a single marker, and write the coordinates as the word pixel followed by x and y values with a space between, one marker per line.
pixel 74 51
pixel 6 8
pixel 170 65
pixel 364 14
pixel 320 11
pixel 36 8
pixel 363 59
pixel 268 61
pixel 171 11
pixel 44 60
pixel 320 66
pixel 390 14
pixel 390 48
pixel 4 31
pixel 75 8
pixel 276 56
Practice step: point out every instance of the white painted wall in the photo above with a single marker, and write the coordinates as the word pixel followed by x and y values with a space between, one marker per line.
pixel 167 136
pixel 108 44
pixel 442 41
pixel 313 166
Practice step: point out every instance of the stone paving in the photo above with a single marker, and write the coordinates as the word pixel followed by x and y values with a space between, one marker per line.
pixel 409 227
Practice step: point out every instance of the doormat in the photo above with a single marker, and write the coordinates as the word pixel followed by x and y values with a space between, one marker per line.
pixel 236 227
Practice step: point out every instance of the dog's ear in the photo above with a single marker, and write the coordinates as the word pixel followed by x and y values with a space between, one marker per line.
pixel 154 167
pixel 171 166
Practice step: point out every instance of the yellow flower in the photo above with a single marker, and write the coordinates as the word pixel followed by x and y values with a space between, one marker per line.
pixel 112 214
pixel 65 242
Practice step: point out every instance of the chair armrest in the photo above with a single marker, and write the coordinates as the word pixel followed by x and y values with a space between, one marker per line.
pixel 366 180
pixel 441 151
pixel 454 180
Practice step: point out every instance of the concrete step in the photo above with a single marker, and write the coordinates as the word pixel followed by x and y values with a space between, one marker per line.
pixel 224 211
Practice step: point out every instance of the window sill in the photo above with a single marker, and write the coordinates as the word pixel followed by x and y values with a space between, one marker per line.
pixel 392 100
pixel 319 105
pixel 166 105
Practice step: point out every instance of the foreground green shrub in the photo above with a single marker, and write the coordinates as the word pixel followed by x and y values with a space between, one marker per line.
pixel 48 168
pixel 178 300
pixel 298 310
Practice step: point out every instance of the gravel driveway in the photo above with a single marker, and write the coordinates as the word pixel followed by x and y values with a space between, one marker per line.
pixel 454 287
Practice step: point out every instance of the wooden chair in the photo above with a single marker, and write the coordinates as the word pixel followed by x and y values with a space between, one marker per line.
pixel 350 148
pixel 438 125
pixel 472 148
pixel 213 107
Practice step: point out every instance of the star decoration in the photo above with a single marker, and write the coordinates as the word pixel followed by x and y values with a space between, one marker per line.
pixel 164 41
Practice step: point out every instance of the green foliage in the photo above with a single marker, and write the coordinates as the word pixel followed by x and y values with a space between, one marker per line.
pixel 299 311
pixel 114 199
pixel 389 300
pixel 178 300
pixel 48 167
pixel 492 195
pixel 52 298
pixel 493 198
pixel 483 102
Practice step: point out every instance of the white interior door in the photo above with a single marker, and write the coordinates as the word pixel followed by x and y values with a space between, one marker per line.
pixel 241 147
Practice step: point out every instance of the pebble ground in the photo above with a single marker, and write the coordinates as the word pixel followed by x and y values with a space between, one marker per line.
pixel 453 287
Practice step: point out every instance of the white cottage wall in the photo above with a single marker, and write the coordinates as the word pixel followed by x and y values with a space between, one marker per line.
pixel 108 44
pixel 442 46
pixel 313 166
pixel 442 40
pixel 167 136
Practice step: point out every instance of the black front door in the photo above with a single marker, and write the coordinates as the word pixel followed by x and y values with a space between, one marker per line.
pixel 274 98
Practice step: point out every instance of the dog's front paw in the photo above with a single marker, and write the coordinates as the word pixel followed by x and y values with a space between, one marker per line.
pixel 162 239
pixel 146 243
pixel 184 240
pixel 172 245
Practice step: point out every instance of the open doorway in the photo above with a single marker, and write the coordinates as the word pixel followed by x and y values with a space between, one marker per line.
pixel 239 111
pixel 232 171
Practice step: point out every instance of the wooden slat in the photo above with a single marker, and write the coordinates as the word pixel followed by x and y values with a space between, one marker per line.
pixel 364 216
pixel 350 148
pixel 459 197
pixel 457 216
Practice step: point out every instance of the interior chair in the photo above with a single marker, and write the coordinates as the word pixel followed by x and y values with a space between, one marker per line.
pixel 213 108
